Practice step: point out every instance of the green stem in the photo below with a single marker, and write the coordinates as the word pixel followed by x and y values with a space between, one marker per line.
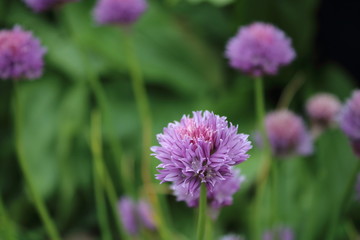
pixel 349 190
pixel 274 194
pixel 111 193
pixel 146 123
pixel 115 145
pixel 99 175
pixel 202 213
pixel 290 90
pixel 209 233
pixel 265 168
pixel 142 106
pixel 38 202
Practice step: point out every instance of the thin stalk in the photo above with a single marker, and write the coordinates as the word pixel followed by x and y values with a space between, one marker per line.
pixel 274 174
pixel 260 112
pixel 349 190
pixel 265 168
pixel 143 107
pixel 115 145
pixel 99 175
pixel 202 213
pixel 290 90
pixel 209 233
pixel 112 196
pixel 38 201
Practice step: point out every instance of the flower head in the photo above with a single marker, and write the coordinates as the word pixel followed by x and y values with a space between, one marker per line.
pixel 119 12
pixel 21 54
pixel 323 109
pixel 350 120
pixel 43 5
pixel 259 49
pixel 287 134
pixel 220 196
pixel 231 237
pixel 135 215
pixel 279 233
pixel 199 149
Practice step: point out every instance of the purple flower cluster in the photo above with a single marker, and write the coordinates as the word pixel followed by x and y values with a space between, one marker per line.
pixel 323 109
pixel 350 120
pixel 220 196
pixel 259 49
pixel 43 5
pixel 21 54
pixel 119 12
pixel 279 233
pixel 199 149
pixel 231 237
pixel 287 134
pixel 135 215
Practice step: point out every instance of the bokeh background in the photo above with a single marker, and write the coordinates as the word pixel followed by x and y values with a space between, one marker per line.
pixel 180 45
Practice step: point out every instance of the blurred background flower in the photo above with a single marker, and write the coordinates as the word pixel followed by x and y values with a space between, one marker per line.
pixel 259 49
pixel 21 55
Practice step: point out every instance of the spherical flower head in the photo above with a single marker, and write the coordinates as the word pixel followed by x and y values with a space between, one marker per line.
pixel 323 109
pixel 350 120
pixel 231 237
pixel 119 12
pixel 220 196
pixel 44 5
pixel 21 55
pixel 259 49
pixel 287 134
pixel 199 149
pixel 279 233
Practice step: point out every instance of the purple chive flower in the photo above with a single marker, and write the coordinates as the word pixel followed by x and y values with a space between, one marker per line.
pixel 127 208
pixel 119 12
pixel 199 149
pixel 323 109
pixel 135 215
pixel 220 196
pixel 259 49
pixel 43 5
pixel 350 120
pixel 287 134
pixel 279 233
pixel 21 54
pixel 231 237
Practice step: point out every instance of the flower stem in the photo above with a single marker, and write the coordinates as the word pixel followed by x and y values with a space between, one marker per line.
pixel 265 168
pixel 146 123
pixel 103 179
pixel 99 174
pixel 115 145
pixel 202 213
pixel 260 111
pixel 38 201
